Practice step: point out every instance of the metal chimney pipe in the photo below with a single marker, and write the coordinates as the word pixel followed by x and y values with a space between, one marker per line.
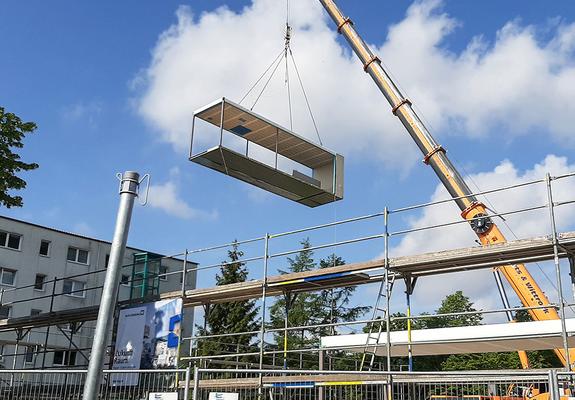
pixel 128 192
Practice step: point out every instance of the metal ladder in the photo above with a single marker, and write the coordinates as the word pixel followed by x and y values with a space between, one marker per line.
pixel 379 313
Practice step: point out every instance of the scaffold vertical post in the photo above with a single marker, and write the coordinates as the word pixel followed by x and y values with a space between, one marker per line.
pixel 264 287
pixel 553 385
pixel 55 281
pixel 129 185
pixel 320 392
pixel 286 325
pixel 388 289
pixel 187 384
pixel 551 208
pixel 196 383
pixel 184 273
pixel 571 273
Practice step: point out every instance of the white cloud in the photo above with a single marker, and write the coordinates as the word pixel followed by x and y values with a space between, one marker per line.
pixel 479 285
pixel 86 112
pixel 166 197
pixel 519 83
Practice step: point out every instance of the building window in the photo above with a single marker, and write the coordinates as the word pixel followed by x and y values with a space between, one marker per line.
pixel 78 255
pixel 39 282
pixel 125 280
pixel 29 356
pixel 35 311
pixel 5 312
pixel 74 288
pixel 107 260
pixel 44 248
pixel 10 240
pixel 163 272
pixel 7 276
pixel 65 357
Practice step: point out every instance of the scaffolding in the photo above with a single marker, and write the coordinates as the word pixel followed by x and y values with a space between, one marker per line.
pixel 554 246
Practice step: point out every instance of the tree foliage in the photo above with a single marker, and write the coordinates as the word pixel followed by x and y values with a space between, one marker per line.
pixel 311 308
pixel 12 132
pixel 231 317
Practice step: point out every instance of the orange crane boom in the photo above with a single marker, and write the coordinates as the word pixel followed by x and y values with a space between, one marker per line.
pixel 435 156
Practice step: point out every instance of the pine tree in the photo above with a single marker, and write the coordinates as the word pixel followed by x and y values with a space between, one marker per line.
pixel 332 306
pixel 334 303
pixel 230 317
pixel 299 310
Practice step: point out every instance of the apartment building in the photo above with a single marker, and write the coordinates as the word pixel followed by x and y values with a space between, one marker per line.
pixel 44 269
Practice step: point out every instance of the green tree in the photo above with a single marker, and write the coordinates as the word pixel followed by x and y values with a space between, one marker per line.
pixel 12 132
pixel 230 317
pixel 333 306
pixel 455 303
pixel 300 308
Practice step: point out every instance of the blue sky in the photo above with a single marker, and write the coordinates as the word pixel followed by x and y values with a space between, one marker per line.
pixel 112 86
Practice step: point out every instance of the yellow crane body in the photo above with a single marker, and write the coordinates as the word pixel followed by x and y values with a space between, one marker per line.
pixel 435 156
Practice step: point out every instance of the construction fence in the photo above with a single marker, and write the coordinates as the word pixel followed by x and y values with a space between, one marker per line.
pixel 242 384
pixel 116 384
pixel 333 385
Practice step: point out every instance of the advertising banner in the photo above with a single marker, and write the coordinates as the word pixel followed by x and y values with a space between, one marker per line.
pixel 148 337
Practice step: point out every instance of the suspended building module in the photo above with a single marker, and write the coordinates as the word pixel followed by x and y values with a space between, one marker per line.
pixel 318 182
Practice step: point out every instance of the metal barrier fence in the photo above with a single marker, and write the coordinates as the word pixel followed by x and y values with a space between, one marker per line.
pixel 334 385
pixel 241 384
pixel 69 384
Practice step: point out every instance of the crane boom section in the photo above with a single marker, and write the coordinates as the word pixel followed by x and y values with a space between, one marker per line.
pixel 474 211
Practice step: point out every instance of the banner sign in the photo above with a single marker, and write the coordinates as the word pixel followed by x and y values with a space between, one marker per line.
pixel 148 337
pixel 163 396
pixel 223 396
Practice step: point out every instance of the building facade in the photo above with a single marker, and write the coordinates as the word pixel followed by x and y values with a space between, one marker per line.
pixel 47 270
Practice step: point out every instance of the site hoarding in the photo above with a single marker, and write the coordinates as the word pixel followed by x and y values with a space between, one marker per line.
pixel 147 337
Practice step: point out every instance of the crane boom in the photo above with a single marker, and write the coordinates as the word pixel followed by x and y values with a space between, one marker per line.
pixel 435 156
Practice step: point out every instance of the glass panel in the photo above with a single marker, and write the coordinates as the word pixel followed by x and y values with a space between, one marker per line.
pixel 3 237
pixel 39 282
pixel 4 312
pixel 72 358
pixel 78 288
pixel 14 241
pixel 58 358
pixel 82 256
pixel 8 277
pixel 44 247
pixel 71 254
pixel 29 354
pixel 67 288
pixel 163 270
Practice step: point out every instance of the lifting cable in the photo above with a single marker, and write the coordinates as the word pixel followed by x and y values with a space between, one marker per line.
pixel 284 56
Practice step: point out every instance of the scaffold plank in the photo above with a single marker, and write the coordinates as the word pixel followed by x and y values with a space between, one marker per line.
pixel 462 259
